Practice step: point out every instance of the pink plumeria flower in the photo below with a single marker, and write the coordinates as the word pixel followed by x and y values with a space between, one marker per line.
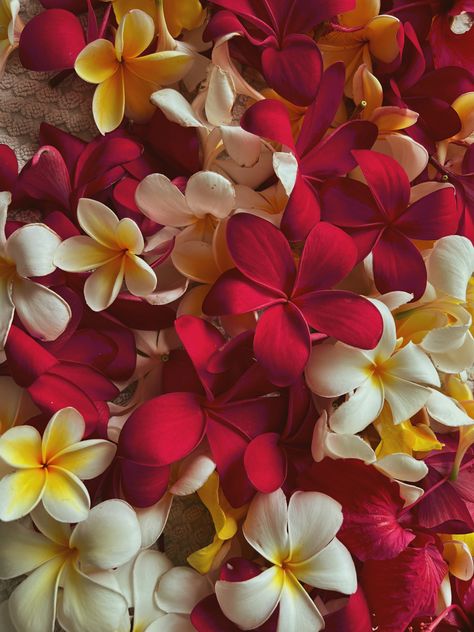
pixel 299 541
pixel 50 469
pixel 28 252
pixel 69 569
pixel 10 29
pixel 112 250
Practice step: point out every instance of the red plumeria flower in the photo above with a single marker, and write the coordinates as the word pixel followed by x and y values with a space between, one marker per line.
pixel 319 156
pixel 381 219
pixel 293 299
pixel 277 33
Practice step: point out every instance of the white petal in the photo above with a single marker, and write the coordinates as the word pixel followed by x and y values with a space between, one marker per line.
pixel 220 97
pixel 360 410
pixel 250 603
pixel 160 200
pixel 313 521
pixel 98 221
pixel 175 107
pixel 394 300
pixel 109 537
pixel 318 442
pixel 405 398
pixel 26 550
pixel 44 313
pixel 450 265
pixel 459 559
pixel 140 278
pixel 153 519
pixel 409 493
pixel 82 254
pixel 6 623
pixel 412 364
pixel 56 531
pixel 242 146
pixel 348 446
pixel 171 623
pixel 448 338
pixel 148 568
pixel 5 200
pixel 387 342
pixel 65 497
pixel 193 473
pixel 331 569
pixel 33 602
pixel 11 399
pixel 7 309
pixel 265 527
pixel 32 248
pixel 403 467
pixel 335 370
pixel 298 613
pixel 446 411
pixel 87 459
pixel 208 192
pixel 180 589
pixel 456 360
pixel 86 604
pixel 285 166
pixel 103 286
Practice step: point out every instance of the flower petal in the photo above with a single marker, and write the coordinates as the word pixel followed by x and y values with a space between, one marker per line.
pixel 171 210
pixel 161 69
pixel 87 459
pixel 313 521
pixel 103 286
pixel 65 497
pixel 139 277
pixel 99 222
pixel 134 34
pixel 148 568
pixel 109 537
pixel 8 309
pixel 335 370
pixel 180 589
pixel 265 527
pixel 20 447
pixel 405 398
pixel 108 103
pixel 44 314
pixel 64 429
pixel 298 612
pixel 410 363
pixel 361 409
pixel 450 265
pixel 82 254
pixel 32 248
pixel 97 61
pixel 20 492
pixel 250 603
pixel 208 192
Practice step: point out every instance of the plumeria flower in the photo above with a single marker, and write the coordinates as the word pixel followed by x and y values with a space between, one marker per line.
pixel 382 374
pixel 162 596
pixel 125 77
pixel 112 250
pixel 460 563
pixel 10 29
pixel 49 469
pixel 208 200
pixel 441 322
pixel 299 541
pixel 28 252
pixel 68 569
pixel 179 14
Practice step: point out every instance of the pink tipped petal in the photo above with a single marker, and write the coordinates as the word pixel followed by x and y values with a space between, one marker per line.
pixel 328 256
pixel 261 252
pixel 265 463
pixel 282 343
pixel 51 41
pixel 387 181
pixel 344 315
pixel 398 265
pixel 285 68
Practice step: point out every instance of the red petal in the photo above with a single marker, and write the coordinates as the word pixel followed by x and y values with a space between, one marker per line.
pixel 269 119
pixel 387 181
pixel 51 41
pixel 143 485
pixel 431 217
pixel 301 211
pixel 344 315
pixel 265 463
pixel 163 430
pixel 398 265
pixel 46 177
pixel 282 343
pixel 329 254
pixel 27 360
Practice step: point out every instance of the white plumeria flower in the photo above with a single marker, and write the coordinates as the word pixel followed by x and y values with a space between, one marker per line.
pixel 299 540
pixel 50 469
pixel 384 374
pixel 209 199
pixel 162 596
pixel 10 30
pixel 69 569
pixel 111 250
pixel 28 252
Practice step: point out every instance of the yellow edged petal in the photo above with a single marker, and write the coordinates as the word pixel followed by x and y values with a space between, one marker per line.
pixel 134 34
pixel 97 61
pixel 65 497
pixel 98 221
pixel 20 492
pixel 86 459
pixel 64 429
pixel 82 254
pixel 108 104
pixel 20 447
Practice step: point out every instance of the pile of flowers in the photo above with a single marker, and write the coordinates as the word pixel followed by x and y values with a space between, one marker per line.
pixel 254 286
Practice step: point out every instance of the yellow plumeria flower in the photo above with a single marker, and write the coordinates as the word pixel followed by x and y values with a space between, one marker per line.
pixel 125 77
pixel 49 469
pixel 111 250
pixel 179 14
pixel 10 29
pixel 225 519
